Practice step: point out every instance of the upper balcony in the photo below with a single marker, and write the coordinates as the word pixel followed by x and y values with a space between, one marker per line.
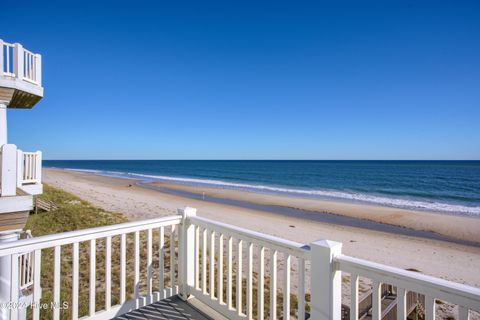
pixel 20 76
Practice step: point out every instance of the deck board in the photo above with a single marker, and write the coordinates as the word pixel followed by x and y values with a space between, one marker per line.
pixel 171 308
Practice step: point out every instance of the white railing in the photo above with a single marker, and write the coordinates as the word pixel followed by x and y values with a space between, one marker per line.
pixel 240 273
pixel 20 170
pixel 30 62
pixel 26 268
pixel 133 245
pixel 17 62
pixel 7 60
pixel 29 167
pixel 433 289
pixel 212 239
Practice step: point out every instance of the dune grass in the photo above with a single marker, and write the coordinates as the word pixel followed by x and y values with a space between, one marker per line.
pixel 76 214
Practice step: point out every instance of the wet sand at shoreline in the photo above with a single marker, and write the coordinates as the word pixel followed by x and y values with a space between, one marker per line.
pixel 452 261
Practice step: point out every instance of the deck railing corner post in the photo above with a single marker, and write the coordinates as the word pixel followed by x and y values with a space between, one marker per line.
pixel 18 61
pixel 186 252
pixel 38 69
pixel 1 58
pixel 20 168
pixel 38 167
pixel 326 280
pixel 8 170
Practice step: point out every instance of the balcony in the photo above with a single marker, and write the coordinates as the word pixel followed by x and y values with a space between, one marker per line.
pixel 137 268
pixel 20 180
pixel 21 172
pixel 20 76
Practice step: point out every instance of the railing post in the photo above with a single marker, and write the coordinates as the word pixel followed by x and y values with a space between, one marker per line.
pixel 8 170
pixel 1 57
pixel 186 252
pixel 20 168
pixel 3 123
pixel 38 69
pixel 38 167
pixel 7 273
pixel 18 61
pixel 326 281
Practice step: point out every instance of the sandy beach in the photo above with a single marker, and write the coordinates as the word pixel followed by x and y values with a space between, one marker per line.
pixel 447 260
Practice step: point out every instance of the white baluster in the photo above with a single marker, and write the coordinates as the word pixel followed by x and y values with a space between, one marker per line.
pixel 108 273
pixel 401 304
pixel 149 262
pixel 249 280
pixel 204 261
pixel 56 282
pixel 377 300
pixel 37 291
pixel 197 257
pixel 261 283
pixel 301 289
pixel 429 308
pixel 273 284
pixel 136 279
pixel 93 278
pixel 239 276
pixel 286 287
pixel 229 272
pixel 354 296
pixel 220 269
pixel 212 265
pixel 123 265
pixel 172 256
pixel 161 260
pixel 75 269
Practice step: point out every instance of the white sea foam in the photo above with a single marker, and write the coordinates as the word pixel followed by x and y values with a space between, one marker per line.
pixel 315 193
pixel 352 196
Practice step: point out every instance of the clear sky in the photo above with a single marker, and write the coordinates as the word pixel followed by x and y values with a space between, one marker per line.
pixel 251 79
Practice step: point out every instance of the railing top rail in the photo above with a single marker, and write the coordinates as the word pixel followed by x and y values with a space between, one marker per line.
pixel 70 237
pixel 28 52
pixel 294 248
pixel 453 292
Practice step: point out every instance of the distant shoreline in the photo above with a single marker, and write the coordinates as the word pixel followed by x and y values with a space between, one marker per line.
pixel 401 199
pixel 418 223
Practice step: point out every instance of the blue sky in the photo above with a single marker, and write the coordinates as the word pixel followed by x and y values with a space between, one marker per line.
pixel 250 79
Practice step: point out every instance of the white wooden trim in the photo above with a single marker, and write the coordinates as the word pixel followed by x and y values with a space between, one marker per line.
pixel 37 290
pixel 42 242
pixel 354 296
pixel 273 284
pixel 286 287
pixel 261 283
pixel 413 281
pixel 75 276
pixel 56 282
pixel 294 248
pixel 239 265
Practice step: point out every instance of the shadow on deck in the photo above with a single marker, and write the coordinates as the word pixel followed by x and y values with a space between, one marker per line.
pixel 171 308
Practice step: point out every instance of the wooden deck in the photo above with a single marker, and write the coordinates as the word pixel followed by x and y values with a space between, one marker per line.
pixel 171 308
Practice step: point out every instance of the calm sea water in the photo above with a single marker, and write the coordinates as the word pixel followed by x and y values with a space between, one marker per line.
pixel 442 186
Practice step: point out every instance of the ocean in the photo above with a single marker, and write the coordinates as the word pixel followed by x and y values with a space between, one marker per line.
pixel 441 186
